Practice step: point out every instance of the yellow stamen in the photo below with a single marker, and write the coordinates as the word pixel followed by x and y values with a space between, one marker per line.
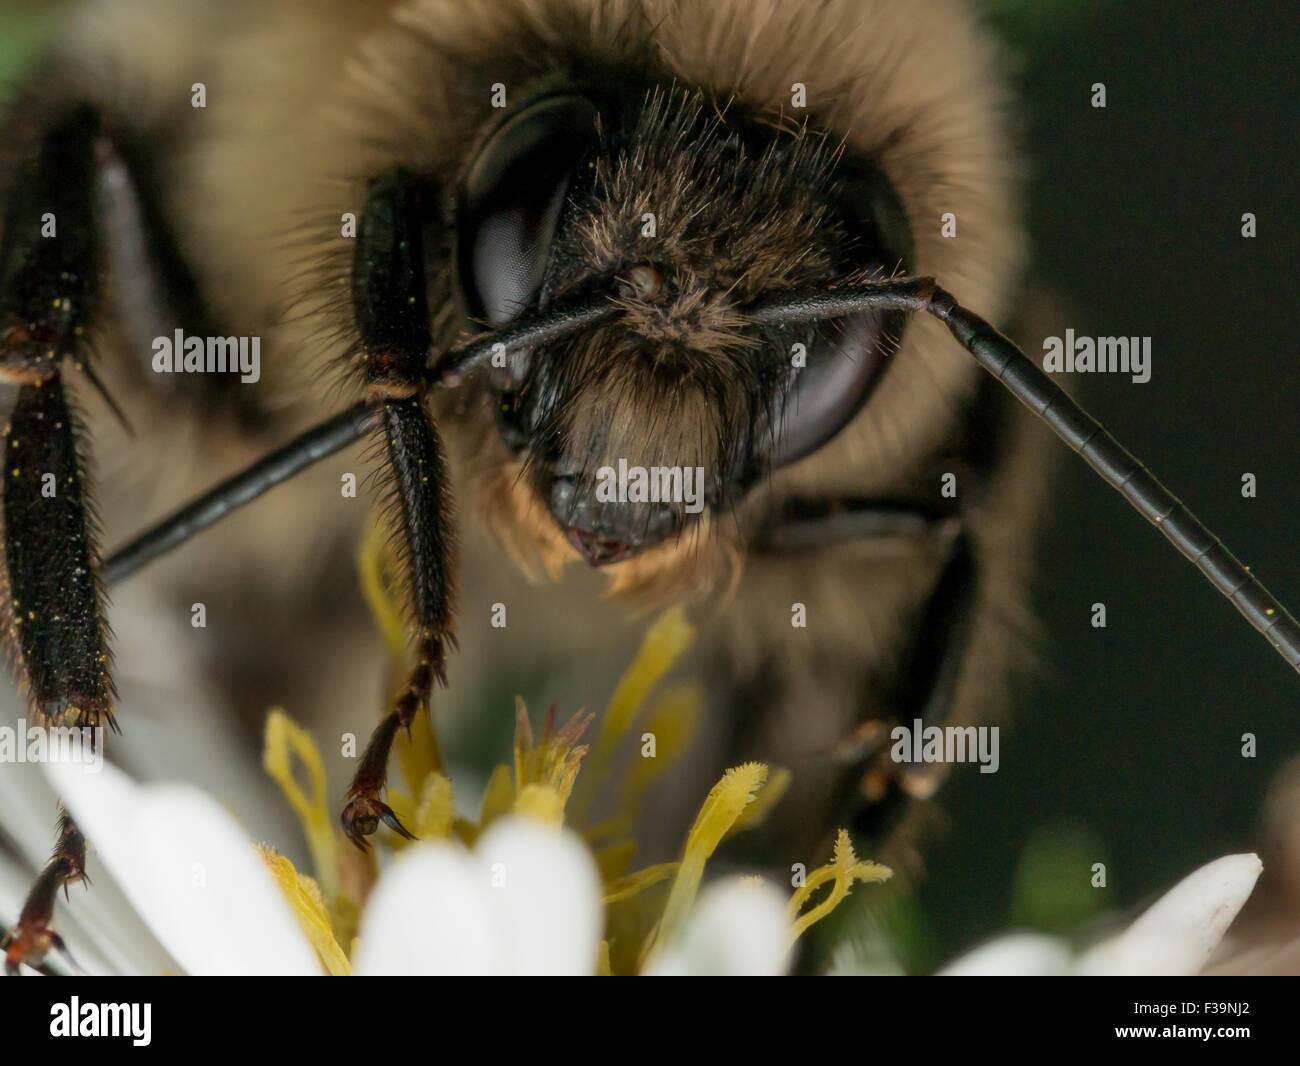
pixel 380 572
pixel 664 643
pixel 724 804
pixel 418 754
pixel 768 796
pixel 843 869
pixel 498 797
pixel 541 802
pixel 546 770
pixel 673 721
pixel 304 897
pixel 614 859
pixel 283 736
pixel 630 884
pixel 436 813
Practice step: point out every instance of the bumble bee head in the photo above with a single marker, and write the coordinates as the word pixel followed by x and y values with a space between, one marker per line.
pixel 681 215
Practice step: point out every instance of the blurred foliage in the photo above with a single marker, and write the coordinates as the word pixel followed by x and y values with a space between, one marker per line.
pixel 24 27
pixel 1038 22
pixel 1052 891
pixel 895 930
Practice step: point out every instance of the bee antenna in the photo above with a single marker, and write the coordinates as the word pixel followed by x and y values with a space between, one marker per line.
pixel 449 368
pixel 301 452
pixel 338 432
pixel 1083 433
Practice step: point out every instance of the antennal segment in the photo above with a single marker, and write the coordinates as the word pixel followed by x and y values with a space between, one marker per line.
pixel 1032 387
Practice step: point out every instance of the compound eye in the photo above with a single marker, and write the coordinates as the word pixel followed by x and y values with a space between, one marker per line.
pixel 843 361
pixel 512 200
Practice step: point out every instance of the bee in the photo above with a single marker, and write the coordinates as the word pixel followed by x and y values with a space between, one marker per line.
pixel 658 290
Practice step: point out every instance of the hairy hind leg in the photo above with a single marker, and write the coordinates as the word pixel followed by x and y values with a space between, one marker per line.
pixel 388 295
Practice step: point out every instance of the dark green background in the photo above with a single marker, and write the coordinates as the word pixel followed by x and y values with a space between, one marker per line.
pixel 1135 219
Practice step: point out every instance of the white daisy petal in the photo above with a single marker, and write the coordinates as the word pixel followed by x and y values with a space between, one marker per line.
pixel 158 669
pixel 100 928
pixel 1180 931
pixel 546 891
pixel 30 810
pixel 190 872
pixel 737 928
pixel 103 916
pixel 429 915
pixel 1014 955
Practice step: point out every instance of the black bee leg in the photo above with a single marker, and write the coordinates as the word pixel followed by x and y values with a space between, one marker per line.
pixel 424 527
pixel 48 290
pixel 32 938
pixel 389 302
pixel 923 688
pixel 55 601
pixel 880 791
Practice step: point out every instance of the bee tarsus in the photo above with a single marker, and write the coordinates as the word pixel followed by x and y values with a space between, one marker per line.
pixel 32 938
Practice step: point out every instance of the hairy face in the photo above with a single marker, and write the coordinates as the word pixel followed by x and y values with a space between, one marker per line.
pixel 630 442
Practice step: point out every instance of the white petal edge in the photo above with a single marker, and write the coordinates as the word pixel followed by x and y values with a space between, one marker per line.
pixel 30 812
pixel 156 670
pixel 737 928
pixel 98 924
pixel 429 915
pixel 1014 955
pixel 1180 931
pixel 189 872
